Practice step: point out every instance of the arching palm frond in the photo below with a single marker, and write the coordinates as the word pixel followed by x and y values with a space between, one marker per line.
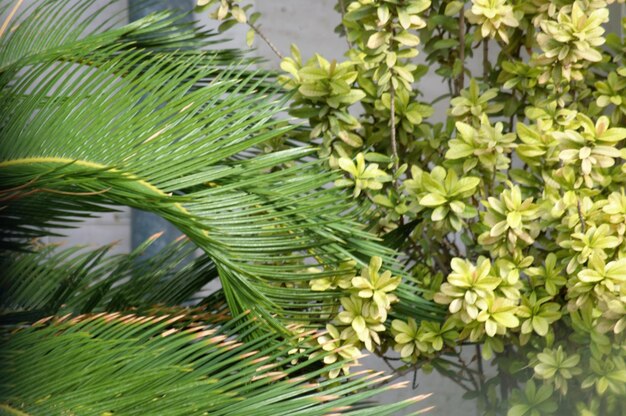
pixel 115 365
pixel 67 30
pixel 93 115
pixel 123 126
pixel 52 280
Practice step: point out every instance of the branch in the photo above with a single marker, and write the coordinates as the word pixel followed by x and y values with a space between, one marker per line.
pixel 266 40
pixel 342 6
pixel 394 144
pixel 461 78
pixel 485 59
pixel 583 225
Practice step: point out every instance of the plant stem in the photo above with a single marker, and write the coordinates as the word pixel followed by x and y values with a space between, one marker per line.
pixel 394 144
pixel 342 6
pixel 466 369
pixel 583 225
pixel 460 84
pixel 485 59
pixel 481 371
pixel 266 40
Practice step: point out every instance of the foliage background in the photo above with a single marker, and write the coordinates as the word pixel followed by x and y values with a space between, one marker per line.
pixel 320 36
pixel 310 24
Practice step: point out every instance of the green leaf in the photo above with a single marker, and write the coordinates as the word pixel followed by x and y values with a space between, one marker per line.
pixel 396 238
pixel 432 200
pixel 250 37
pixel 445 44
pixel 459 150
pixel 453 8
pixel 407 39
pixel 466 185
pixel 377 39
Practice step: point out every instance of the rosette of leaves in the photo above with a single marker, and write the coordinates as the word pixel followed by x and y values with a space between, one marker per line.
pixel 444 195
pixel 510 222
pixel 363 176
pixel 537 314
pixel 363 319
pixel 465 286
pixel 494 17
pixel 339 350
pixel 486 144
pixel 572 39
pixel 533 401
pixel 602 286
pixel 471 104
pixel 413 341
pixel 608 375
pixel 557 367
pixel 372 284
pixel 590 246
pixel 364 310
pixel 550 116
pixel 324 94
pixel 547 277
pixel 538 148
pixel 520 76
pixel 612 92
pixel 497 314
pixel 615 208
pixel 409 115
pixel 592 148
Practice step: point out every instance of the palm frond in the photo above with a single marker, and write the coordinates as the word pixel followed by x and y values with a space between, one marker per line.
pixel 148 145
pixel 52 280
pixel 66 29
pixel 175 134
pixel 116 364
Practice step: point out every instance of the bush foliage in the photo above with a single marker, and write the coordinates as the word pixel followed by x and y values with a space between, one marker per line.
pixel 511 208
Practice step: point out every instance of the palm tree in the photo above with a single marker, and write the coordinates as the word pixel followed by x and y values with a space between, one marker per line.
pixel 144 115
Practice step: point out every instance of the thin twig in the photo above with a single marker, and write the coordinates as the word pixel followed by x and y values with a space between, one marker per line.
pixel 481 371
pixel 342 6
pixel 466 369
pixel 450 246
pixel 386 361
pixel 485 59
pixel 394 144
pixel 461 77
pixel 6 22
pixel 583 225
pixel 266 40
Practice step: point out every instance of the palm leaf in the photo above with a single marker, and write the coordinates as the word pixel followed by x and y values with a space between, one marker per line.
pixel 125 364
pixel 163 133
pixel 67 30
pixel 52 280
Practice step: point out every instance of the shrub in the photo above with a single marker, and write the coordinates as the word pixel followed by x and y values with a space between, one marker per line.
pixel 515 203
